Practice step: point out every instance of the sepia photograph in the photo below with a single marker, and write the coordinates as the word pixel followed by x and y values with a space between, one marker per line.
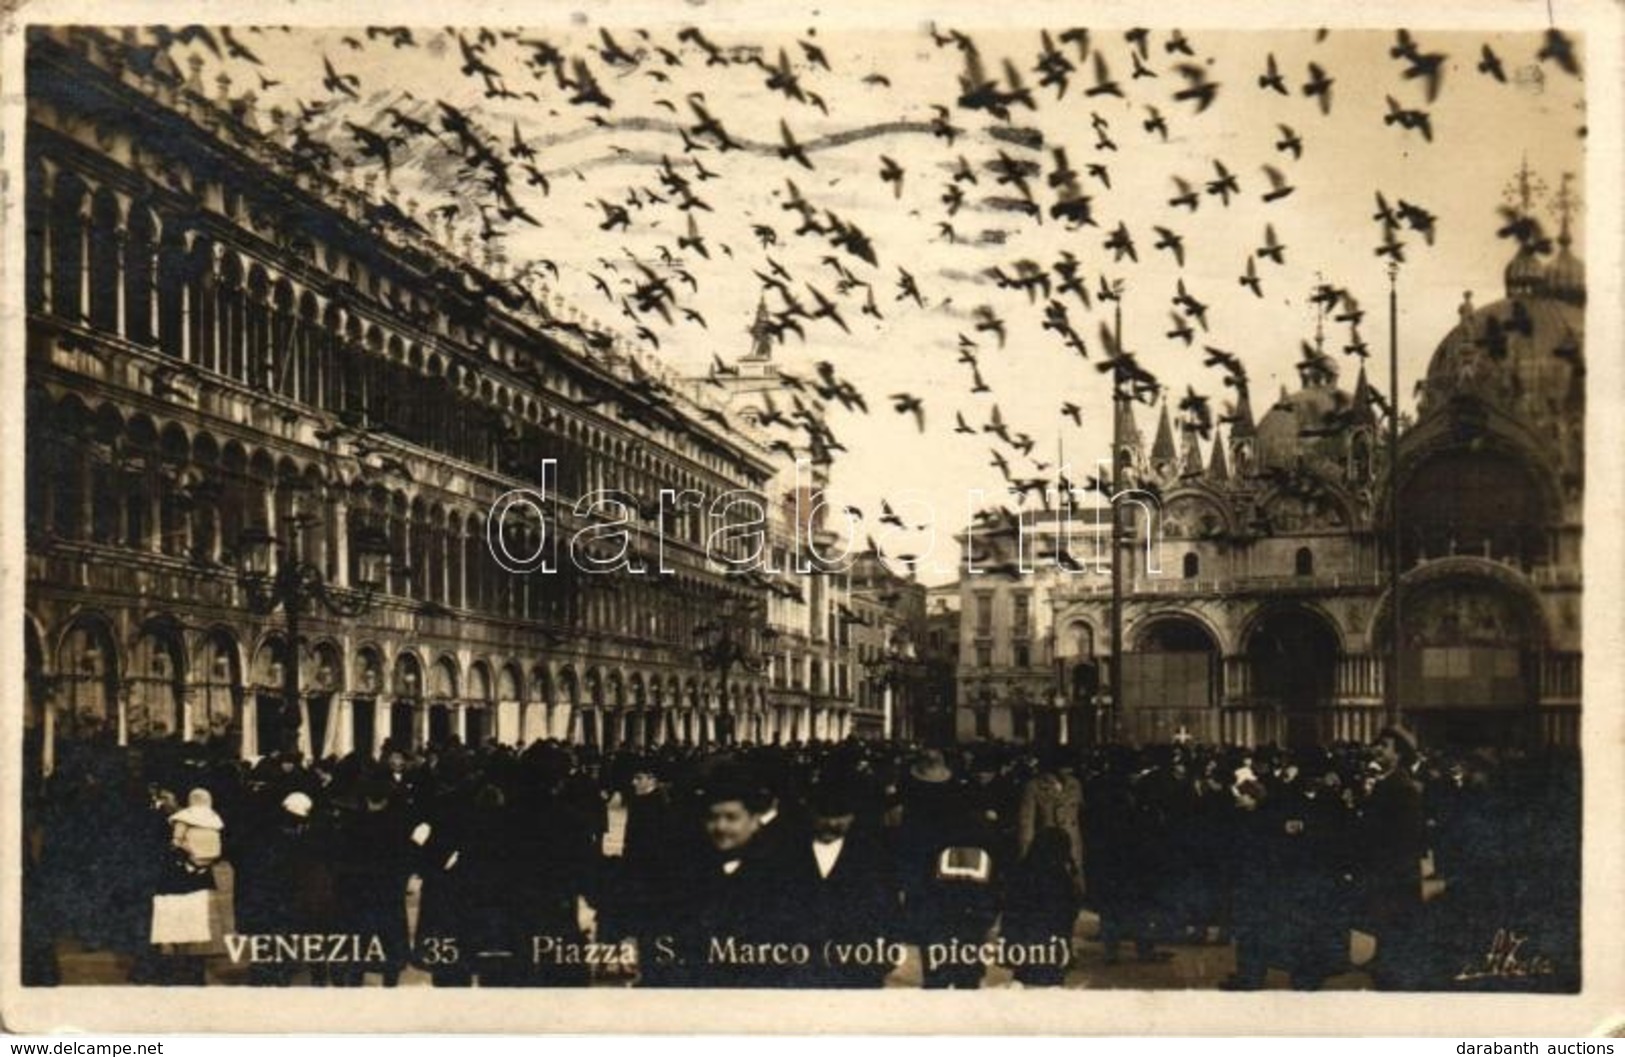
pixel 725 496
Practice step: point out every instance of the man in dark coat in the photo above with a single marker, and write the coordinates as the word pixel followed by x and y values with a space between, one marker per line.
pixel 729 928
pixel 1392 838
pixel 375 861
pixel 647 882
pixel 554 862
pixel 946 871
pixel 841 901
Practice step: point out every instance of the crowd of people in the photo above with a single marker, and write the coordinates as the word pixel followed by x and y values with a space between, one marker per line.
pixel 806 865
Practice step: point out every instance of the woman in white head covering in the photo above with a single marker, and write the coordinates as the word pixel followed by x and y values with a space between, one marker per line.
pixel 182 911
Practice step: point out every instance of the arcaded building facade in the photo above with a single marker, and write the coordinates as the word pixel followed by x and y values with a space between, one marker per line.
pixel 225 342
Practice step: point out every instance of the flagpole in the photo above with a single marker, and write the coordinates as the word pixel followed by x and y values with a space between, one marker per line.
pixel 1119 408
pixel 1394 712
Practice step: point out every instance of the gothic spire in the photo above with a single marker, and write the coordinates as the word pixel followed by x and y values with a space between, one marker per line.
pixel 1191 460
pixel 1162 449
pixel 1362 401
pixel 1243 425
pixel 1218 467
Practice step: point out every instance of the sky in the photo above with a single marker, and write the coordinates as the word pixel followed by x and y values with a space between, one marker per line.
pixel 880 89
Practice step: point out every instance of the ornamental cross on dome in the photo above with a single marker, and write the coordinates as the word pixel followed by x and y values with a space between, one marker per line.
pixel 1566 202
pixel 1524 189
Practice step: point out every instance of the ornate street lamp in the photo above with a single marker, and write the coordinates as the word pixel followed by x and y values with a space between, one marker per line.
pixel 726 640
pixel 896 670
pixel 294 585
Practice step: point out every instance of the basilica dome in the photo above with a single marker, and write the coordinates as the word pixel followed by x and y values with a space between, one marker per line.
pixel 1313 421
pixel 1522 353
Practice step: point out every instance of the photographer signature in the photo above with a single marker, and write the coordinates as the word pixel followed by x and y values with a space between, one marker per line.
pixel 1506 959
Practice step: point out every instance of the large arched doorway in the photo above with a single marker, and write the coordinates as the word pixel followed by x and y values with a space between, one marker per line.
pixel 1482 502
pixel 1470 661
pixel 1292 664
pixel 1082 677
pixel 1170 681
pixel 407 701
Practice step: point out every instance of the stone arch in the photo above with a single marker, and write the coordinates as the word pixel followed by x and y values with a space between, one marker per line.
pixel 217 685
pixel 1171 676
pixel 88 668
pixel 1293 650
pixel 154 706
pixel 444 678
pixel 1194 512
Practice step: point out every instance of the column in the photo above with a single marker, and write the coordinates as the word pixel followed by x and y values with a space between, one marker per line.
pixel 268 500
pixel 122 698
pixel 306 749
pixel 509 725
pixel 463 562
pixel 187 720
pixel 1065 735
pixel 48 730
pixel 340 513
pixel 534 722
pixel 156 492
pixel 459 722
pixel 87 494
pixel 420 717
pixel 251 723
pixel 381 713
pixel 341 727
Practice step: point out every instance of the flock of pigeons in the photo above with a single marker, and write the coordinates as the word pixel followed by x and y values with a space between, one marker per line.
pixel 493 177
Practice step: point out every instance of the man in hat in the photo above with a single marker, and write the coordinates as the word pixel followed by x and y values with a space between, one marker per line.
pixel 841 898
pixel 946 869
pixel 733 901
pixel 370 876
pixel 1393 839
pixel 647 883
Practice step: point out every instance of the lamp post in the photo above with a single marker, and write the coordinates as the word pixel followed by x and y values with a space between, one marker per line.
pixel 294 585
pixel 724 641
pixel 895 670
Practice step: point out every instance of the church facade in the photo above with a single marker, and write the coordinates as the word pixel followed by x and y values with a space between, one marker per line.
pixel 1262 611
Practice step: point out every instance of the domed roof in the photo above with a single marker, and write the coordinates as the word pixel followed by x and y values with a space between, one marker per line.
pixel 1519 353
pixel 1566 278
pixel 1524 275
pixel 1307 422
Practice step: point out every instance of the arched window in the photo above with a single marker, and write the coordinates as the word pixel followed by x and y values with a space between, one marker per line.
pixel 140 254
pixel 67 247
pixel 1303 563
pixel 1193 566
pixel 104 261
